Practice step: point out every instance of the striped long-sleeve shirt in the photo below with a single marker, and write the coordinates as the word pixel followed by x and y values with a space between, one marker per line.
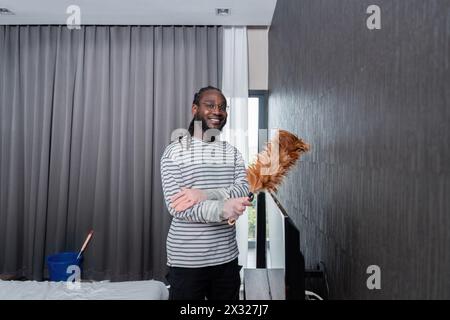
pixel 200 236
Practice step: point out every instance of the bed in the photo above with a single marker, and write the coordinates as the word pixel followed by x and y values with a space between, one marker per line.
pixel 102 290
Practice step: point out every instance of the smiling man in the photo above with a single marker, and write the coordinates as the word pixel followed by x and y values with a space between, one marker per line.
pixel 204 183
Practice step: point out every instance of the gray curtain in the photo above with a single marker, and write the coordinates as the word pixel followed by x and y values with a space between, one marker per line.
pixel 85 116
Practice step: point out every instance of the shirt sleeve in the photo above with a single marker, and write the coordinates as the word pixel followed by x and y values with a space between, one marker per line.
pixel 207 211
pixel 240 186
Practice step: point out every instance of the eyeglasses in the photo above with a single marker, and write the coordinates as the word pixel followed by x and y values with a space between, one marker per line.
pixel 212 106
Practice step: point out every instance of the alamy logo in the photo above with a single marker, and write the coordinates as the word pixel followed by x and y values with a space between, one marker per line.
pixel 217 154
pixel 73 281
pixel 374 20
pixel 74 20
pixel 374 281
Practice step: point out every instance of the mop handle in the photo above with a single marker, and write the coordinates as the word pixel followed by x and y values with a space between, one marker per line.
pixel 88 238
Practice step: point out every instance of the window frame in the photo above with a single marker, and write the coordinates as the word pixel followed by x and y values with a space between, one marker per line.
pixel 261 235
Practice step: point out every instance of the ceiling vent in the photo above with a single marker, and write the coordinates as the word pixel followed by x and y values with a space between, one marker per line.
pixel 223 12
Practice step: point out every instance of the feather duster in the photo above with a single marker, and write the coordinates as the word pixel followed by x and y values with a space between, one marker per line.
pixel 271 167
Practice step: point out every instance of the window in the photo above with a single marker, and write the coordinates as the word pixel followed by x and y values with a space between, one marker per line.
pixel 257 120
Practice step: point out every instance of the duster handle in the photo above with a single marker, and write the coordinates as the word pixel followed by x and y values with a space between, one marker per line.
pixel 251 196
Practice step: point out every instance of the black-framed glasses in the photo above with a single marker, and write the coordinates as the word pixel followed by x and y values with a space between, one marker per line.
pixel 211 106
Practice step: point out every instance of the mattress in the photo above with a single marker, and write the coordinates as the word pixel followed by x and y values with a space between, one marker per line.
pixel 102 290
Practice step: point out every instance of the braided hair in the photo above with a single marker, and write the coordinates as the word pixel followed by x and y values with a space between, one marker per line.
pixel 198 95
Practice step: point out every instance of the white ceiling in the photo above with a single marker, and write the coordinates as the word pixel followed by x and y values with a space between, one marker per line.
pixel 141 12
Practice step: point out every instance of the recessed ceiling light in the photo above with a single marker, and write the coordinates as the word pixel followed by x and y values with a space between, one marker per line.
pixel 6 11
pixel 223 11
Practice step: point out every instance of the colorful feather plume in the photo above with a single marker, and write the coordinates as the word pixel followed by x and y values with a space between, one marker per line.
pixel 270 168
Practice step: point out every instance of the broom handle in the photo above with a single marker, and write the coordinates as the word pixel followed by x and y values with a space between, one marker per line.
pixel 250 198
pixel 88 238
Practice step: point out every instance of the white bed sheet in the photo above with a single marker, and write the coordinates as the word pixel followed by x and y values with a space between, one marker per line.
pixel 102 290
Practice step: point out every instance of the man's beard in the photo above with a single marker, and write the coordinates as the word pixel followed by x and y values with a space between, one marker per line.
pixel 204 125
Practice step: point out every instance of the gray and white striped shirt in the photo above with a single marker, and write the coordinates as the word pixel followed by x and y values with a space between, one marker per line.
pixel 200 236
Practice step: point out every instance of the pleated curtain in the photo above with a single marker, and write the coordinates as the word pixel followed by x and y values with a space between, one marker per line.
pixel 84 118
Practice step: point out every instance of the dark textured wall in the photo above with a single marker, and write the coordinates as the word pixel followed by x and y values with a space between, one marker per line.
pixel 375 106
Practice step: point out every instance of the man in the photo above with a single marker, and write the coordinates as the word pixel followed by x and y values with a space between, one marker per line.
pixel 204 183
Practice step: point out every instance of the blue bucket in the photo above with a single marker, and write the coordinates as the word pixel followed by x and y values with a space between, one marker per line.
pixel 60 262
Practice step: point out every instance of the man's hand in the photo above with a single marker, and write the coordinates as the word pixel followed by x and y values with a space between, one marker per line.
pixel 235 207
pixel 187 198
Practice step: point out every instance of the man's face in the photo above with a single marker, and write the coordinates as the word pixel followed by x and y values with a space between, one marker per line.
pixel 209 111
